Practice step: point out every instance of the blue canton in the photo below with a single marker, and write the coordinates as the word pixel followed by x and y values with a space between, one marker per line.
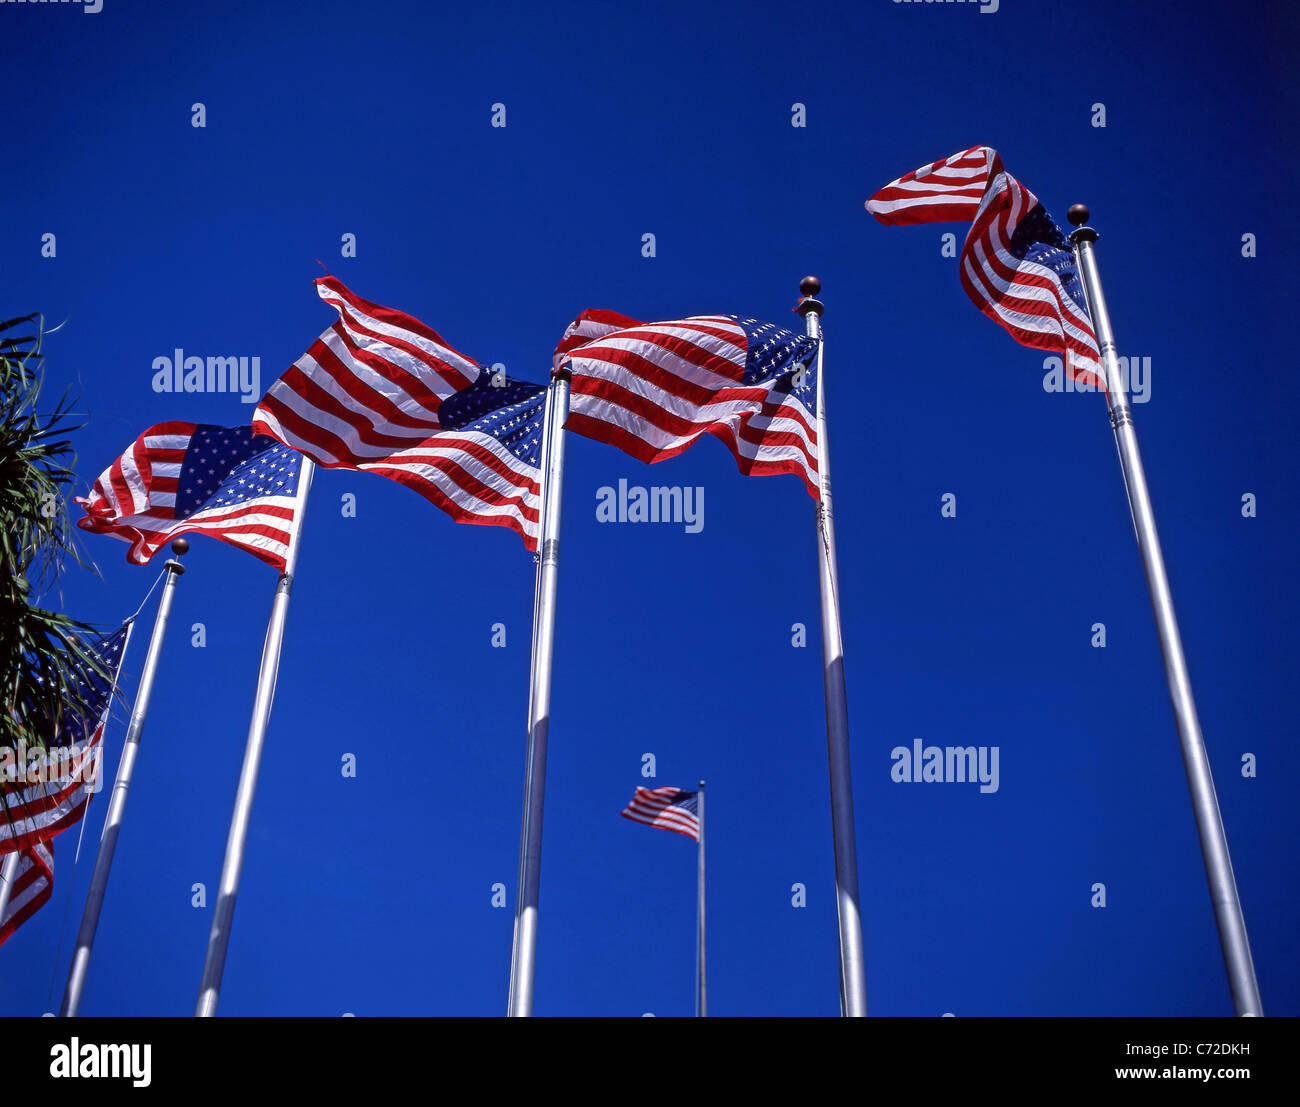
pixel 688 801
pixel 96 688
pixel 511 413
pixel 1038 239
pixel 227 466
pixel 775 352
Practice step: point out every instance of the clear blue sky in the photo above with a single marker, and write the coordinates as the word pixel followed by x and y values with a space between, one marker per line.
pixel 373 895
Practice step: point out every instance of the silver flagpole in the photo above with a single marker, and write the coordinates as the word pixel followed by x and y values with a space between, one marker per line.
pixel 543 469
pixel 8 874
pixel 117 801
pixel 232 867
pixel 1196 762
pixel 523 957
pixel 703 1008
pixel 853 988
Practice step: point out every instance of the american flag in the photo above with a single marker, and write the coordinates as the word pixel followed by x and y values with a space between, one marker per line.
pixel 33 809
pixel 666 808
pixel 652 389
pixel 33 883
pixel 381 392
pixel 1017 265
pixel 179 478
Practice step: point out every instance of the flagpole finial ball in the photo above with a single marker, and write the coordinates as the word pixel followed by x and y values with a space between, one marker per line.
pixel 810 286
pixel 181 547
pixel 1078 214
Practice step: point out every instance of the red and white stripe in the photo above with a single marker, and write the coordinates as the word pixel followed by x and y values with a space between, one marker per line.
pixel 134 499
pixel 1025 298
pixel 652 389
pixel 34 811
pixel 366 396
pixel 33 885
pixel 654 807
pixel 946 191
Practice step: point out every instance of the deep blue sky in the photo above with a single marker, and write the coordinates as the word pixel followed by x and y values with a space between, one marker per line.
pixel 373 895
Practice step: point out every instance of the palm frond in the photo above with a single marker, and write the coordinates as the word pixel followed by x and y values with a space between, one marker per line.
pixel 41 651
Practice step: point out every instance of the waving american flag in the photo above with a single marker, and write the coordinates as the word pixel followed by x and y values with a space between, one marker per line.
pixel 666 808
pixel 44 793
pixel 1017 265
pixel 179 478
pixel 32 886
pixel 381 392
pixel 652 389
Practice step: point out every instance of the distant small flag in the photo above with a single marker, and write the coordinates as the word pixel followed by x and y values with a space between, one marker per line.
pixel 182 478
pixel 666 808
pixel 381 392
pixel 1017 265
pixel 33 884
pixel 652 389
pixel 42 794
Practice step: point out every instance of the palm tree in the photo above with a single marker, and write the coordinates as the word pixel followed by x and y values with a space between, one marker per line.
pixel 42 652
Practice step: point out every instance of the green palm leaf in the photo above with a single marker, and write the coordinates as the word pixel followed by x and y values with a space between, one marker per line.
pixel 42 651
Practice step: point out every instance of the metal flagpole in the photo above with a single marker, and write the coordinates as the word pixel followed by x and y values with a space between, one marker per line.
pixel 1196 762
pixel 702 1012
pixel 8 874
pixel 117 801
pixel 853 989
pixel 232 867
pixel 523 957
pixel 543 463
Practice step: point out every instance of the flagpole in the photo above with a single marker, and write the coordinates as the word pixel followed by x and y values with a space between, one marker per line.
pixel 232 867
pixel 543 463
pixel 117 801
pixel 853 990
pixel 702 1012
pixel 8 874
pixel 523 957
pixel 1200 781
